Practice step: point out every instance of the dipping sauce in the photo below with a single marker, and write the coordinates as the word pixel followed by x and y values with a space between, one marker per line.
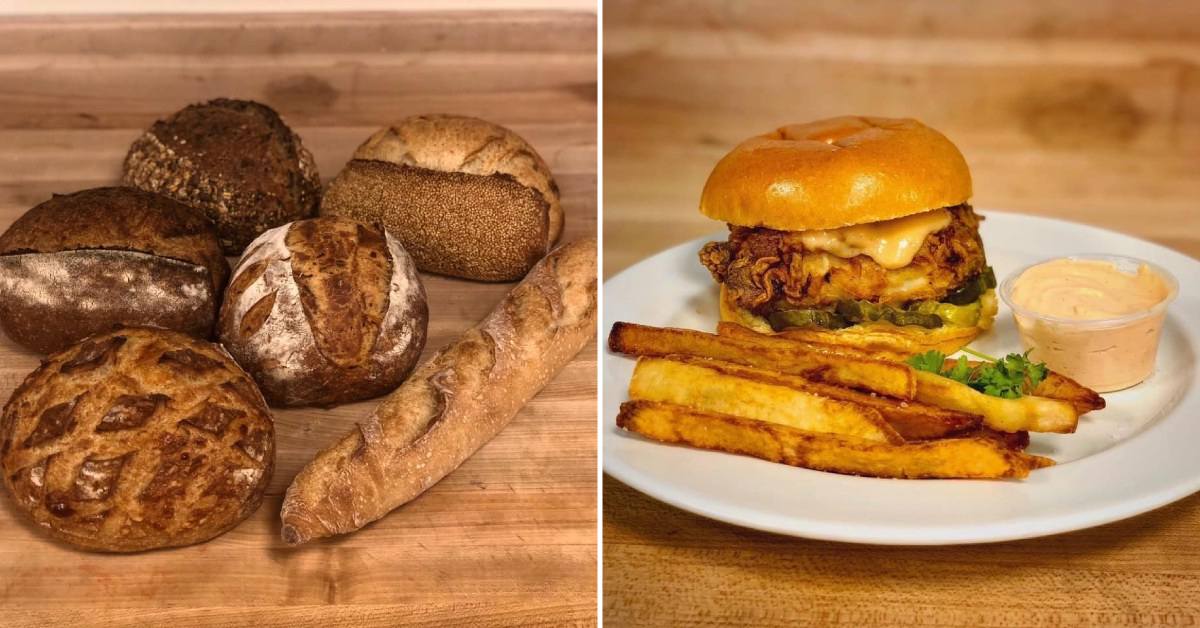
pixel 1095 319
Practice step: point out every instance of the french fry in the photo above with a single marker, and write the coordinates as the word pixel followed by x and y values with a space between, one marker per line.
pixel 945 458
pixel 699 386
pixel 911 419
pixel 1031 413
pixel 1016 441
pixel 880 340
pixel 886 378
pixel 1061 387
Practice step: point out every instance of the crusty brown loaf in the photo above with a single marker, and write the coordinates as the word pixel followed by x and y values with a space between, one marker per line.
pixel 234 159
pixel 466 197
pixel 135 440
pixel 452 404
pixel 94 260
pixel 325 311
pixel 836 172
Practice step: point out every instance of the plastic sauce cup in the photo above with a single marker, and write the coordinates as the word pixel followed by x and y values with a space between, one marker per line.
pixel 1103 354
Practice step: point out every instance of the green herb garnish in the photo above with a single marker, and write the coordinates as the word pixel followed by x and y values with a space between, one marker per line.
pixel 1009 377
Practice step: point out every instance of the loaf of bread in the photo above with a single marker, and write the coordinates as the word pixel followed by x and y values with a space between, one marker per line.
pixel 137 439
pixel 233 159
pixel 325 311
pixel 88 262
pixel 452 404
pixel 466 197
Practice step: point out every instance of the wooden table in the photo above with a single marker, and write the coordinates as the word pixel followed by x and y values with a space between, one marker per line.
pixel 1085 111
pixel 510 537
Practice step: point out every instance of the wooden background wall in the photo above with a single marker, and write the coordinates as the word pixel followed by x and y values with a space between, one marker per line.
pixel 1084 110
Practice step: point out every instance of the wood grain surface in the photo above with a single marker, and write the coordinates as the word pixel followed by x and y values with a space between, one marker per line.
pixel 507 539
pixel 1085 111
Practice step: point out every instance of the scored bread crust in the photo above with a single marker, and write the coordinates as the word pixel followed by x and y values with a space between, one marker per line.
pixel 325 311
pixel 137 439
pixel 836 172
pixel 467 198
pixel 91 261
pixel 453 404
pixel 235 160
pixel 120 219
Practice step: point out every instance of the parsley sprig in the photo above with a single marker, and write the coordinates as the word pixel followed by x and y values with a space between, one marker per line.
pixel 1009 377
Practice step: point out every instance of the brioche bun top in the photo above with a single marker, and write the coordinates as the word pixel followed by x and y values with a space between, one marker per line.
pixel 834 173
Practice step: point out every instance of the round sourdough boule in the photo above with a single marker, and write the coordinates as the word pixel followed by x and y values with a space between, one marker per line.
pixel 466 197
pixel 137 439
pixel 88 262
pixel 234 159
pixel 325 311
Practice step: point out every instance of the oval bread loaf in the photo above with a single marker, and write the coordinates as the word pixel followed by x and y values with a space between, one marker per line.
pixel 325 311
pixel 466 197
pixel 88 262
pixel 453 404
pixel 235 160
pixel 137 439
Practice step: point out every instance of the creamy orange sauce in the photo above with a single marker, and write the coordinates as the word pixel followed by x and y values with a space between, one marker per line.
pixel 1087 290
pixel 1083 295
pixel 891 243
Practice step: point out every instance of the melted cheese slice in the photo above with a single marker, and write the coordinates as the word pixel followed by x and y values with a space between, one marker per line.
pixel 891 243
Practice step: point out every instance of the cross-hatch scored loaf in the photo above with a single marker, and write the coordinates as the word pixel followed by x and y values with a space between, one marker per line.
pixel 135 440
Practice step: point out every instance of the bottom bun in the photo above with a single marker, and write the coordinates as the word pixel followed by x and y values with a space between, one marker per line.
pixel 886 340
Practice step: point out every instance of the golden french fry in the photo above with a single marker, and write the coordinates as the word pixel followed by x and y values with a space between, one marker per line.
pixel 911 419
pixel 702 387
pixel 1035 414
pixel 879 376
pixel 945 458
pixel 879 340
pixel 1058 386
pixel 1063 388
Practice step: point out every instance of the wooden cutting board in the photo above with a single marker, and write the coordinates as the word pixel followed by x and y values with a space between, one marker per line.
pixel 510 537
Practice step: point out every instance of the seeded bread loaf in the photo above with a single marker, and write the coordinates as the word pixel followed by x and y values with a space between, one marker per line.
pixel 137 439
pixel 88 262
pixel 325 311
pixel 453 404
pixel 233 159
pixel 466 197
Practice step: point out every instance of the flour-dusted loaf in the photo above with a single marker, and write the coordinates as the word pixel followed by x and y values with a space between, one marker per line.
pixel 88 262
pixel 235 160
pixel 452 404
pixel 137 439
pixel 325 311
pixel 466 197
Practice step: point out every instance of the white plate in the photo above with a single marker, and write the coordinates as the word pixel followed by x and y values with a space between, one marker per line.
pixel 1141 452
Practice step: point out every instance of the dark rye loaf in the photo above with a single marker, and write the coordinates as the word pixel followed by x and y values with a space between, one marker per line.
pixel 466 197
pixel 88 262
pixel 325 311
pixel 235 160
pixel 137 439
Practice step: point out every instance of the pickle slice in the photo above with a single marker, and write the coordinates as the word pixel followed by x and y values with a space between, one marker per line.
pixel 784 319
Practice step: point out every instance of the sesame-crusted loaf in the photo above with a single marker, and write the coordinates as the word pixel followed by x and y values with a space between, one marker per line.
pixel 88 262
pixel 137 439
pixel 234 159
pixel 325 311
pixel 465 197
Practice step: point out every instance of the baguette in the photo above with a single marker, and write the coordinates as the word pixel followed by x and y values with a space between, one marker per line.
pixel 452 405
